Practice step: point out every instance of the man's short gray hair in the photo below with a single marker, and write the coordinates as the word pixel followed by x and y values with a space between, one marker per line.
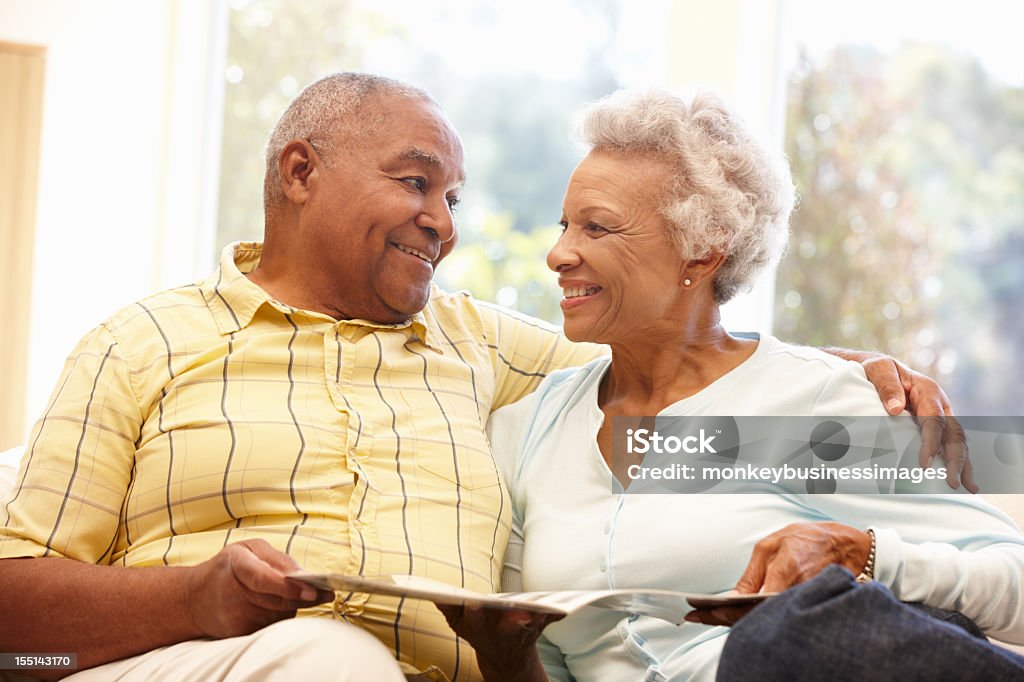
pixel 330 112
pixel 728 194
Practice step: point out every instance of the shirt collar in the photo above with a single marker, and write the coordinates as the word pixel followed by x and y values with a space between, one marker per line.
pixel 233 298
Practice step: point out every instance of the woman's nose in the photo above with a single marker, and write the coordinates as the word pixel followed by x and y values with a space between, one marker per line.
pixel 563 255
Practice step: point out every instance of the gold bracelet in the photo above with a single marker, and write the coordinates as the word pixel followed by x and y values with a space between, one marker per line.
pixel 868 573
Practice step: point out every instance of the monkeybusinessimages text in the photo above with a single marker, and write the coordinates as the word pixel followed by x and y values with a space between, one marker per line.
pixel 644 441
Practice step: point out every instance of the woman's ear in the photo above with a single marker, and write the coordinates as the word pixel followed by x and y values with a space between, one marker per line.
pixel 295 165
pixel 700 269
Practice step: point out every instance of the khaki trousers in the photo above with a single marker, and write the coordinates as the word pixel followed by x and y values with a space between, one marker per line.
pixel 295 649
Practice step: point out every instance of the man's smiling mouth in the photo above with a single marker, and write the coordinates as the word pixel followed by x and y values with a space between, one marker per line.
pixel 414 252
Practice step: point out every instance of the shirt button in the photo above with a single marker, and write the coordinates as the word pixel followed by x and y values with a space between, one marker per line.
pixel 604 566
pixel 607 528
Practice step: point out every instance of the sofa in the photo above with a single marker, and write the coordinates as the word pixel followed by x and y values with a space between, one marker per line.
pixel 1013 505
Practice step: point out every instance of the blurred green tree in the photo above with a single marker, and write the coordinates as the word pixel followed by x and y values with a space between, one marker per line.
pixel 910 232
pixel 507 266
pixel 272 55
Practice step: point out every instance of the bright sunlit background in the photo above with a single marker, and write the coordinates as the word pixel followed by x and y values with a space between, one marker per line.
pixel 903 122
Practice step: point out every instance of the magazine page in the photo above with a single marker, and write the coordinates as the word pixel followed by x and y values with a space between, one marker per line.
pixel 664 604
pixel 420 588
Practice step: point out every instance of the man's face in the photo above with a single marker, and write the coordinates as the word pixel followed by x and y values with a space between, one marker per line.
pixel 379 215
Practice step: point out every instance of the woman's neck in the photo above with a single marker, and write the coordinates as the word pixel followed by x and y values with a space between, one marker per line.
pixel 659 369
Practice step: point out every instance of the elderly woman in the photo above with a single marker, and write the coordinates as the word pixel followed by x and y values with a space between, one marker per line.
pixel 673 211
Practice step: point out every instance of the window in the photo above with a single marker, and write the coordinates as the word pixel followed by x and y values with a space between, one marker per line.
pixel 510 76
pixel 905 133
pixel 22 71
pixel 903 130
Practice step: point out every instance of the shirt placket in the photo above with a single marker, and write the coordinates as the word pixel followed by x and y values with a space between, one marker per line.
pixel 343 368
pixel 632 640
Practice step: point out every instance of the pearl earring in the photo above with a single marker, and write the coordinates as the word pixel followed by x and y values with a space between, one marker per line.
pixel 686 282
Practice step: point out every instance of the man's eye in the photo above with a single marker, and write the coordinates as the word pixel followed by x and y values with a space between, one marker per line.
pixel 419 184
pixel 564 224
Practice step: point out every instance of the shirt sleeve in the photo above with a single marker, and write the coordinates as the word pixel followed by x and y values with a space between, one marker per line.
pixel 75 472
pixel 553 660
pixel 525 350
pixel 512 581
pixel 847 392
pixel 951 551
pixel 512 568
pixel 506 429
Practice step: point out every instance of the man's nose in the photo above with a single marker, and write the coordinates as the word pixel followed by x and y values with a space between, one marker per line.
pixel 439 220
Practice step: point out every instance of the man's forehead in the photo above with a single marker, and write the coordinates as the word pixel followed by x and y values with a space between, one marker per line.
pixel 453 163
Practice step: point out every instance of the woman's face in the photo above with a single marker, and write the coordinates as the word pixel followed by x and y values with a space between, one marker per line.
pixel 619 271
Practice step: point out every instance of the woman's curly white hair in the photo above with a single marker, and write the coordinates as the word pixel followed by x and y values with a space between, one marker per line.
pixel 728 195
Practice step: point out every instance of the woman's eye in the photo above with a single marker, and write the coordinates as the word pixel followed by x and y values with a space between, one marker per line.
pixel 564 224
pixel 418 184
pixel 453 202
pixel 595 228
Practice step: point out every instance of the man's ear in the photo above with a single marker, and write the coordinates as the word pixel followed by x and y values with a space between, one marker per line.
pixel 295 164
pixel 700 269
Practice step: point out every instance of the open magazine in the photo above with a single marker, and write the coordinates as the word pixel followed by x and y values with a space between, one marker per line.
pixel 663 604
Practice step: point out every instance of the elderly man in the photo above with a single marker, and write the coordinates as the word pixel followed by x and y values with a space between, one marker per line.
pixel 313 403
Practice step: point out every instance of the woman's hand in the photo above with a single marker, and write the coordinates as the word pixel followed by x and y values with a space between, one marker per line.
pixel 504 640
pixel 901 388
pixel 789 557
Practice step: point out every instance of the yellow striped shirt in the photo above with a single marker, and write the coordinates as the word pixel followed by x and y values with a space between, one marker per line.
pixel 211 413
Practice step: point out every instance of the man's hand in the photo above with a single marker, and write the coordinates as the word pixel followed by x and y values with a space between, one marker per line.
pixel 243 588
pixel 504 640
pixel 106 613
pixel 789 557
pixel 901 388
